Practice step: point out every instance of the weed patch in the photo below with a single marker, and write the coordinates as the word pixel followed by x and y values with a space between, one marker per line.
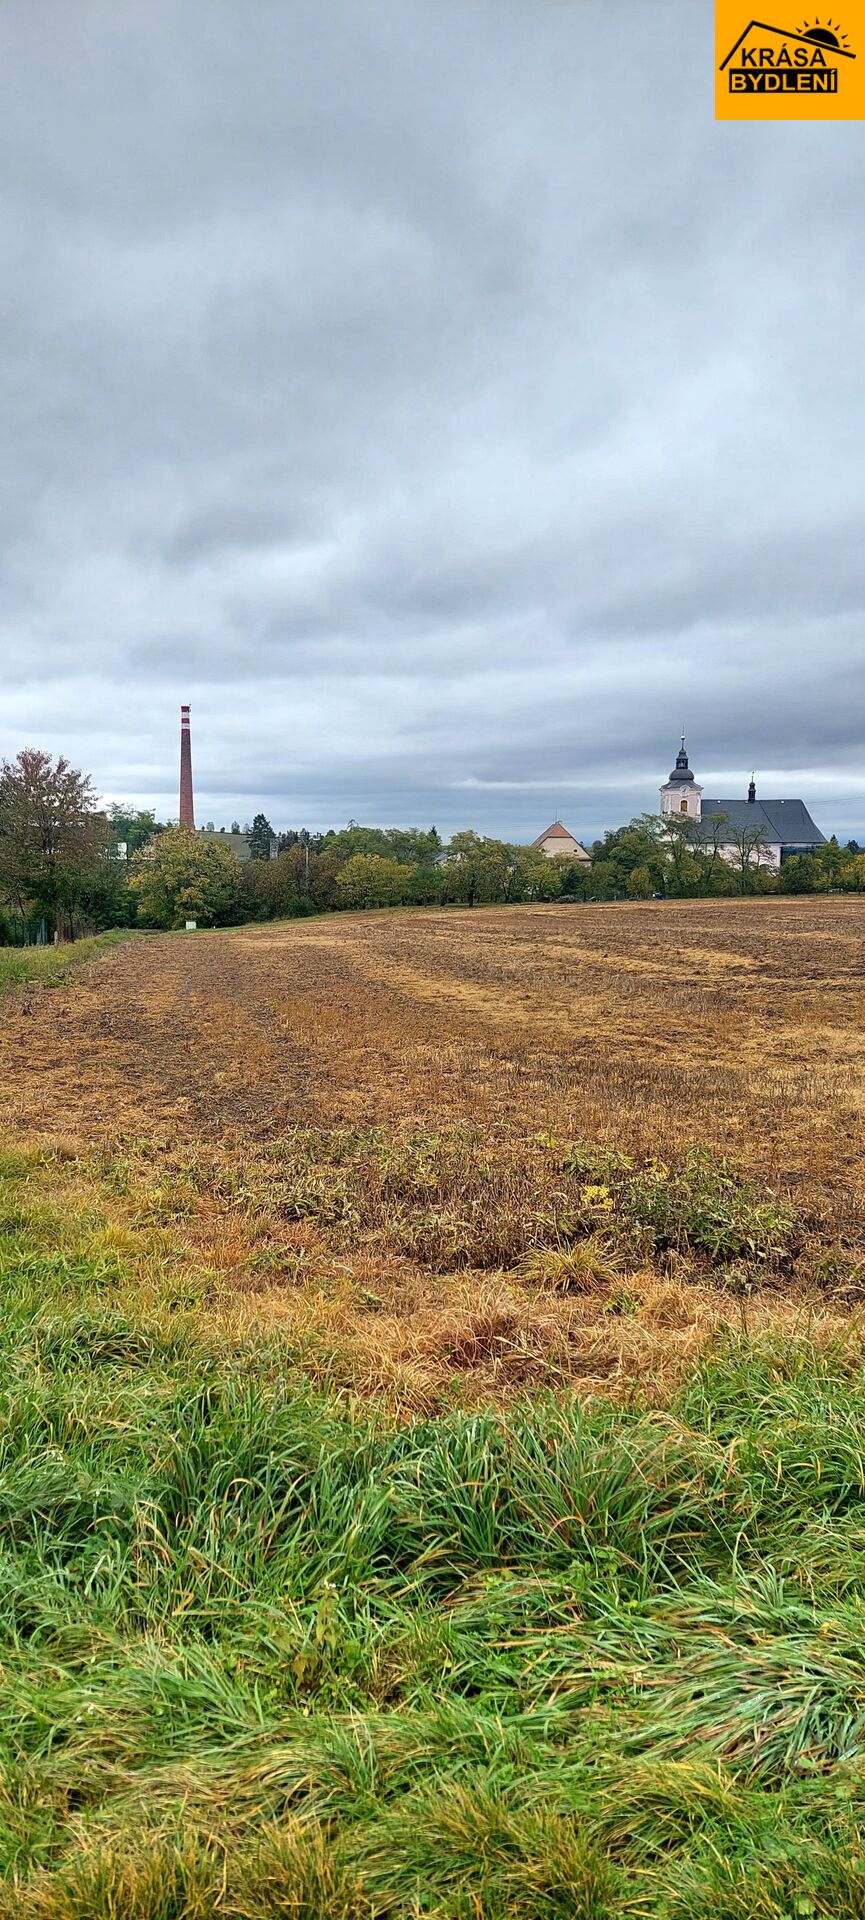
pixel 447 1203
pixel 700 1206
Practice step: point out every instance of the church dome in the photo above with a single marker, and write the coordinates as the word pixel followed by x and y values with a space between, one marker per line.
pixel 681 775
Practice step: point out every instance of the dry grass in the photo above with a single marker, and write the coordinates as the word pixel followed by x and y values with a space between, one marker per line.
pixel 358 1126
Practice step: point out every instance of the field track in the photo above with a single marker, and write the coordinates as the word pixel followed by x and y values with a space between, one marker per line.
pixel 214 1060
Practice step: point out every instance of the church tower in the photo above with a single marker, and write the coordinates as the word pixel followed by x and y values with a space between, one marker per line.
pixel 681 794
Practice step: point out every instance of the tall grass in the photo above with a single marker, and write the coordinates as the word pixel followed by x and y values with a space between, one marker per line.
pixel 266 1650
pixel 50 966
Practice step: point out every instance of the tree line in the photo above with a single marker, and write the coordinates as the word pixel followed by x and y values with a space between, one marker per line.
pixel 68 867
pixel 672 856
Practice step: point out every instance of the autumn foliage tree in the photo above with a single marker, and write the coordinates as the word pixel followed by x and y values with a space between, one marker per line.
pixel 52 839
pixel 185 877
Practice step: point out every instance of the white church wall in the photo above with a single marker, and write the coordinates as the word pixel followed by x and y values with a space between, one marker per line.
pixel 767 857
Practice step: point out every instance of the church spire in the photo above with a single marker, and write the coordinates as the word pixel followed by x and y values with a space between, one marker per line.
pixel 681 775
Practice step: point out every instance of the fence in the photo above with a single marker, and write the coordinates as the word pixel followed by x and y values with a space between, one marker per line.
pixel 15 931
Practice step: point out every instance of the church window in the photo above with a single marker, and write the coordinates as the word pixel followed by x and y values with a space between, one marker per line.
pixel 683 806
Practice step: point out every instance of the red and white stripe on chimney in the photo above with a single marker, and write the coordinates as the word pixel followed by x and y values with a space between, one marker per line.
pixel 187 809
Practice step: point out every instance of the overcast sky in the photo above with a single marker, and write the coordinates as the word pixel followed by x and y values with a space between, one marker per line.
pixel 437 398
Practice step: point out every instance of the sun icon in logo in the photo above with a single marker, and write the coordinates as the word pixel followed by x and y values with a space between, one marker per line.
pixel 829 35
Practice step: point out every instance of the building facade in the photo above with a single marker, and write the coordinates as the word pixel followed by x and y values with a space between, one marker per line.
pixel 773 829
pixel 558 840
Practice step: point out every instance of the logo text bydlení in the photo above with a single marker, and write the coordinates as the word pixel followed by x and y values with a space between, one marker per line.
pixel 810 62
pixel 783 69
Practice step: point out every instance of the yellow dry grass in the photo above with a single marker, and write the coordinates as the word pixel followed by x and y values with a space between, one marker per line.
pixel 285 1096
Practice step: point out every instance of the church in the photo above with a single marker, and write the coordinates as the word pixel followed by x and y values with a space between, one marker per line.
pixel 785 827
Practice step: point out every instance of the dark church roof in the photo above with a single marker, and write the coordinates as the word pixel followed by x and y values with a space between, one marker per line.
pixel 785 823
pixel 681 775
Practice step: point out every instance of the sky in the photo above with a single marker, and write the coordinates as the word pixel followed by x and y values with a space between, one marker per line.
pixel 438 399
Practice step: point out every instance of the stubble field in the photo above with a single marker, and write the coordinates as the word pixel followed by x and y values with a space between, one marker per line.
pixel 431 1420
pixel 378 1130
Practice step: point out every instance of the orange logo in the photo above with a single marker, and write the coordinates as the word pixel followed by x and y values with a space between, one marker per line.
pixel 813 71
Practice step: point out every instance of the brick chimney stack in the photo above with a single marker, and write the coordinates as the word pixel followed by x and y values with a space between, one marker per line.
pixel 187 811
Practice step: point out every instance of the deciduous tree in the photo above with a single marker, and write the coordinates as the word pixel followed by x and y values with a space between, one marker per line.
pixel 800 874
pixel 478 869
pixel 183 877
pixel 132 827
pixel 368 880
pixel 52 839
pixel 601 881
pixel 749 854
pixel 534 877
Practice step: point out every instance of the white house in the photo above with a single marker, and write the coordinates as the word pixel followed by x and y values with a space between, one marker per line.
pixel 557 841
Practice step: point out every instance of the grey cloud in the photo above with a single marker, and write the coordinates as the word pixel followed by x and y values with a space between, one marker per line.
pixel 443 411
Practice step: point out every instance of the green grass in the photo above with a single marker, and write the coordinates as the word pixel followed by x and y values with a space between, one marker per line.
pixel 50 966
pixel 267 1651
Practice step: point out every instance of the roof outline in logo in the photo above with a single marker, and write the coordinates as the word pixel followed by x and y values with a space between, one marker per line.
pixel 785 35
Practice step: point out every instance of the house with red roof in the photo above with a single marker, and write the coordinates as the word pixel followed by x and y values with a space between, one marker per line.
pixel 558 840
